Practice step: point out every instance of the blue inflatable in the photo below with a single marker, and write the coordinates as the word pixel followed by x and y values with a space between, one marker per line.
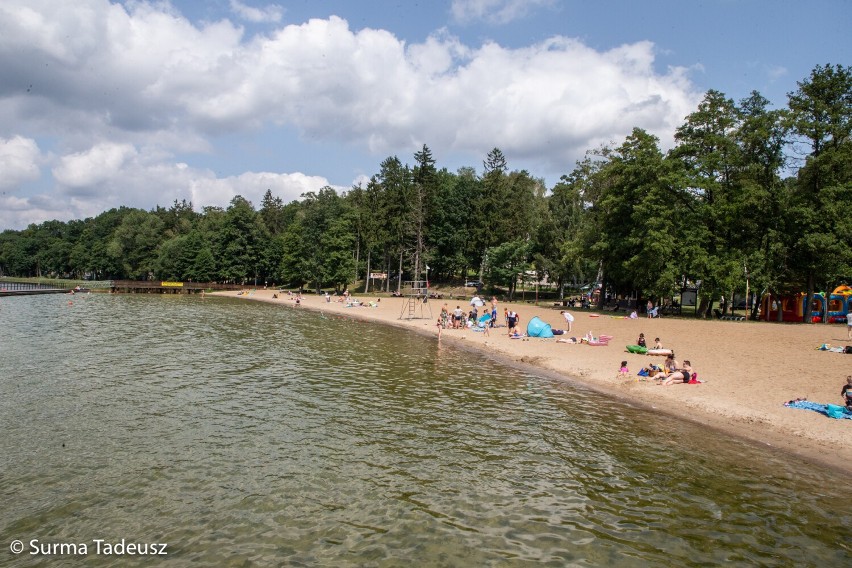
pixel 537 328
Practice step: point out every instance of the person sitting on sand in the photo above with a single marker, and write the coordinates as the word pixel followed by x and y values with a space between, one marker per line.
pixel 652 371
pixel 623 372
pixel 669 366
pixel 657 343
pixel 641 341
pixel 682 375
pixel 846 393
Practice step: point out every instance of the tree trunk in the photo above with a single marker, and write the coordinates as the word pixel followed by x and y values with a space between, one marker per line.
pixel 809 296
pixel 399 279
pixel 357 257
pixel 367 275
pixel 387 271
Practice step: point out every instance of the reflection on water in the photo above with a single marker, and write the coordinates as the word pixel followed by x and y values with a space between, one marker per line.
pixel 252 435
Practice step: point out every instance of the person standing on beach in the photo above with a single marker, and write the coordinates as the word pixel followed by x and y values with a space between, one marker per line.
pixel 512 321
pixel 458 314
pixel 849 324
pixel 569 319
pixel 650 307
pixel 846 393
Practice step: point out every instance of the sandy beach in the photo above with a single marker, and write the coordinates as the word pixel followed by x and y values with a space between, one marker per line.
pixel 748 369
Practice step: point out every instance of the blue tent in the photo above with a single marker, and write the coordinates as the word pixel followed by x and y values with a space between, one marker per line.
pixel 537 328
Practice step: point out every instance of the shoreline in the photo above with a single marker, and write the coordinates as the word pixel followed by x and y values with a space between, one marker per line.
pixel 748 369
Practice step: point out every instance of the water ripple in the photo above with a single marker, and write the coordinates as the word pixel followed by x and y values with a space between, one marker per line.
pixel 247 434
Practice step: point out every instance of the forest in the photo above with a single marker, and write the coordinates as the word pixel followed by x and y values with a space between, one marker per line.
pixel 746 192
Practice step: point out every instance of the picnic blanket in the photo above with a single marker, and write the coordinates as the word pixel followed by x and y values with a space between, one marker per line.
pixel 830 410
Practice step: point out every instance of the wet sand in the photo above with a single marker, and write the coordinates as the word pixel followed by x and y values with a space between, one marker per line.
pixel 748 369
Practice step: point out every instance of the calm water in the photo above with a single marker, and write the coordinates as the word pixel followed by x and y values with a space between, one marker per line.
pixel 245 434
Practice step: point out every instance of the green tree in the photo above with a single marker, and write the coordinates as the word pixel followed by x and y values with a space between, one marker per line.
pixel 240 242
pixel 762 212
pixel 134 244
pixel 821 120
pixel 708 150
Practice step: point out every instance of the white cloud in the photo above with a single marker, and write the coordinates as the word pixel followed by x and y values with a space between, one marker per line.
pixel 107 176
pixel 92 167
pixel 494 11
pixel 775 72
pixel 18 161
pixel 123 91
pixel 270 13
pixel 208 190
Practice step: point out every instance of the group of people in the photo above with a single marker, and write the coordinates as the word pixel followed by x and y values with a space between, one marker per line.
pixel 672 371
pixel 457 318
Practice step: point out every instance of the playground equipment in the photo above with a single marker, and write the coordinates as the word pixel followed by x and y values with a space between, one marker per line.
pixel 792 307
pixel 839 304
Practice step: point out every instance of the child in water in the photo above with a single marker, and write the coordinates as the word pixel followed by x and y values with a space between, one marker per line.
pixel 623 372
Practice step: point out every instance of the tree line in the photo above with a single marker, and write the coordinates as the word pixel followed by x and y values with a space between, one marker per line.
pixel 746 192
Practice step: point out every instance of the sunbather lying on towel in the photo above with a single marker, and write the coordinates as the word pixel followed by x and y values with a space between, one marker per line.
pixel 682 375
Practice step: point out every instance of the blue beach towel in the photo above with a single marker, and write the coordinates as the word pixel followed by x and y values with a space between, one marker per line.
pixel 830 410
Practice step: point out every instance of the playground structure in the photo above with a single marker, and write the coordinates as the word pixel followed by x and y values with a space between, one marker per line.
pixel 831 310
pixel 839 304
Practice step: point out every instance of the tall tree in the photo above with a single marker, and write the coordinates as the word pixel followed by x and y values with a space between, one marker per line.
pixel 395 180
pixel 707 147
pixel 762 222
pixel 134 244
pixel 240 243
pixel 821 119
pixel 423 192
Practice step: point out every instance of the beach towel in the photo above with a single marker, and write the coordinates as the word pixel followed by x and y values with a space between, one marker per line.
pixel 830 410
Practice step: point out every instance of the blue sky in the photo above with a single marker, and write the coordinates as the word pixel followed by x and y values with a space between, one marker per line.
pixel 138 103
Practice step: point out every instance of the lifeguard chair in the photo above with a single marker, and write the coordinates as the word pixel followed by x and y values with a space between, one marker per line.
pixel 415 295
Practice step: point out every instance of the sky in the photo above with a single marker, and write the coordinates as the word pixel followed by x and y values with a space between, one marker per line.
pixel 141 103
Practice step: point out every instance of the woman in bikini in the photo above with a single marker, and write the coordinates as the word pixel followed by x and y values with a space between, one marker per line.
pixel 682 375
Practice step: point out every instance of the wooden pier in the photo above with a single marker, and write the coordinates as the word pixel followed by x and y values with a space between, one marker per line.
pixel 29 287
pixel 168 287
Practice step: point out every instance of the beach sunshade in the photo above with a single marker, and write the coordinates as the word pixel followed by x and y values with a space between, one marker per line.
pixel 537 328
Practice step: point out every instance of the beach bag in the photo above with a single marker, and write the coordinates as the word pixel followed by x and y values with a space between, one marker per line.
pixel 849 349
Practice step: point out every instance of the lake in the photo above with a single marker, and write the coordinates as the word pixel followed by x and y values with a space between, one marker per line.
pixel 249 434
